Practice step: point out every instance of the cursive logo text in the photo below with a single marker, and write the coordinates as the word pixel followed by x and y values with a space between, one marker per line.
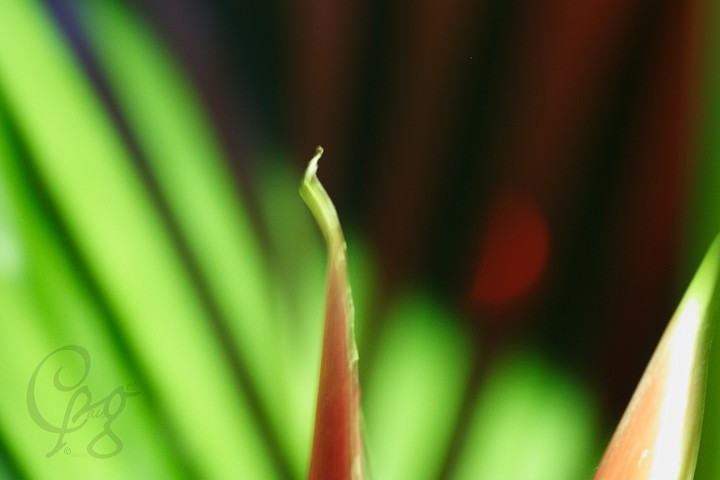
pixel 80 407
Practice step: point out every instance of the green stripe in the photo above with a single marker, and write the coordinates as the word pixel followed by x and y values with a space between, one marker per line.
pixel 111 218
pixel 190 169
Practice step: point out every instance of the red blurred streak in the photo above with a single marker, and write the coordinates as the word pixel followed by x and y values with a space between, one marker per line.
pixel 570 51
pixel 430 47
pixel 514 252
pixel 337 446
pixel 652 204
pixel 324 50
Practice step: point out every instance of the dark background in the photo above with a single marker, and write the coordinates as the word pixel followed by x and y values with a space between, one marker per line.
pixel 463 136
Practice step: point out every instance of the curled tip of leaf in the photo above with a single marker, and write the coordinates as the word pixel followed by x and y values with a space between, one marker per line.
pixel 659 434
pixel 337 446
pixel 312 167
pixel 317 199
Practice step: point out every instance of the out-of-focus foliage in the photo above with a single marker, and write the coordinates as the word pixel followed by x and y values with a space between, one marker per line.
pixel 125 232
pixel 704 219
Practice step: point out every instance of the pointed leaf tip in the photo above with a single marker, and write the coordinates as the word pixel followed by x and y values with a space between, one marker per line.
pixel 320 204
pixel 337 446
pixel 659 434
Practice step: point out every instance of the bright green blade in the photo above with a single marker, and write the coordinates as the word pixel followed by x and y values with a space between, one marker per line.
pixel 113 222
pixel 298 263
pixel 16 329
pixel 412 400
pixel 65 314
pixel 530 421
pixel 183 156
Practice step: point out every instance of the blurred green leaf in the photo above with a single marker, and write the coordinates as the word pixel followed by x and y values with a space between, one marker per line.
pixel 413 396
pixel 184 158
pixel 109 214
pixel 530 421
pixel 87 257
pixel 64 311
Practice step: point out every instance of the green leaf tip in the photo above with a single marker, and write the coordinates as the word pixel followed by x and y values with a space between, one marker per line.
pixel 319 203
pixel 659 434
pixel 337 440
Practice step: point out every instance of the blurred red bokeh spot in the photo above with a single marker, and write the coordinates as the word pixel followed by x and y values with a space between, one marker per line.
pixel 514 250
